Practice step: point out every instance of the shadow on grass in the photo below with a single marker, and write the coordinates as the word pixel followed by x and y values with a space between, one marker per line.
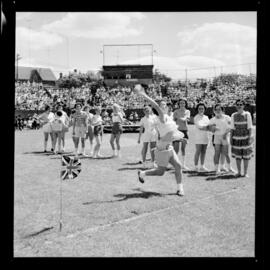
pixel 194 173
pixel 42 153
pixel 222 177
pixel 58 156
pixel 142 168
pixel 126 196
pixel 133 169
pixel 37 233
pixel 135 163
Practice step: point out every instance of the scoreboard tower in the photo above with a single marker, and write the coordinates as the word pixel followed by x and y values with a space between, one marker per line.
pixel 127 64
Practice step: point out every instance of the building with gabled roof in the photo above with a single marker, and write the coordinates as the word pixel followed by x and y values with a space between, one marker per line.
pixel 35 74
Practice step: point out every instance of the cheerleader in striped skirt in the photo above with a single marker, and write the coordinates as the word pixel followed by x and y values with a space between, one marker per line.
pixel 241 137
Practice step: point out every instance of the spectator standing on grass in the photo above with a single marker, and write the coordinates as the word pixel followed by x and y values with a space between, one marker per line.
pixel 241 137
pixel 117 130
pixel 79 129
pixel 149 136
pixel 201 122
pixel 181 116
pixel 220 125
pixel 164 153
pixel 46 119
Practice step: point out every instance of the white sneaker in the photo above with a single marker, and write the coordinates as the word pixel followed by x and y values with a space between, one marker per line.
pixel 180 191
pixel 232 170
pixel 196 169
pixel 119 154
pixel 154 165
pixel 217 171
pixel 204 169
pixel 84 155
pixel 99 156
pixel 185 168
pixel 224 169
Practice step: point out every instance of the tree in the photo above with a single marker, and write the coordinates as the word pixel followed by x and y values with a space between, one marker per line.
pixel 159 77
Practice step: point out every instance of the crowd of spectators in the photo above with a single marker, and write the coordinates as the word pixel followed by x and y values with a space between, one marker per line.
pixel 35 96
pixel 30 122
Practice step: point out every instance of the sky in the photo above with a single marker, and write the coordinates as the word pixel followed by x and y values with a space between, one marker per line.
pixel 192 44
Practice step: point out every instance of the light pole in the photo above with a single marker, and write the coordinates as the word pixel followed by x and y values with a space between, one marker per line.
pixel 18 57
pixel 186 84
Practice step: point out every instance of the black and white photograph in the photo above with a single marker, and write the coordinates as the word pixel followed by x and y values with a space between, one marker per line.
pixel 135 134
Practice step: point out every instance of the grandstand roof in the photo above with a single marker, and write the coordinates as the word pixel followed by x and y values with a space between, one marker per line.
pixel 24 73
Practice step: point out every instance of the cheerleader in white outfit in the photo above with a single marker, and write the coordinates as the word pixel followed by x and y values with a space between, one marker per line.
pixel 57 128
pixel 201 122
pixel 65 120
pixel 98 131
pixel 117 130
pixel 90 131
pixel 164 153
pixel 150 135
pixel 46 119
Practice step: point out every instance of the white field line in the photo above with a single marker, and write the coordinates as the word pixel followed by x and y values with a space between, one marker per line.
pixel 94 229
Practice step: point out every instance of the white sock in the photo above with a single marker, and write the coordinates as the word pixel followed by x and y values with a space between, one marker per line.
pixel 222 166
pixel 76 151
pixel 217 167
pixel 180 186
pixel 83 150
pixel 45 146
pixel 142 174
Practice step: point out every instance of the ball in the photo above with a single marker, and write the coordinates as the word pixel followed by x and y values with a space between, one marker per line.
pixel 138 89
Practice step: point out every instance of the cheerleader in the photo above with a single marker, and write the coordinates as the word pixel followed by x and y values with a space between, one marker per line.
pixel 201 122
pixel 90 132
pixel 241 137
pixel 117 130
pixel 181 116
pixel 98 131
pixel 220 125
pixel 150 135
pixel 65 120
pixel 164 152
pixel 79 128
pixel 45 119
pixel 57 127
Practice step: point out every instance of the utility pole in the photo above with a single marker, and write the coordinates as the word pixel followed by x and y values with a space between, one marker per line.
pixel 215 71
pixel 18 57
pixel 249 66
pixel 103 52
pixel 186 84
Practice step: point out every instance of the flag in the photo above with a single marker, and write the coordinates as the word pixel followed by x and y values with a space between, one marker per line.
pixel 71 167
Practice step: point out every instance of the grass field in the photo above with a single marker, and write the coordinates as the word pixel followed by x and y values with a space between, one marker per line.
pixel 108 213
